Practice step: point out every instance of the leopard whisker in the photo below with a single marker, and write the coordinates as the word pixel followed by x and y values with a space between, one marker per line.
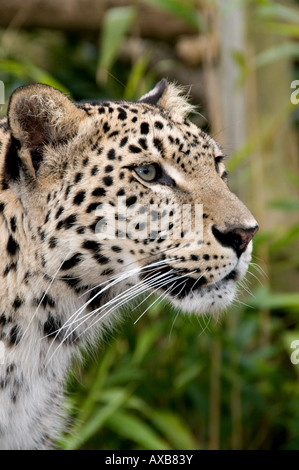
pixel 119 300
pixel 198 279
pixel 255 277
pixel 120 278
pixel 259 269
pixel 157 283
pixel 43 297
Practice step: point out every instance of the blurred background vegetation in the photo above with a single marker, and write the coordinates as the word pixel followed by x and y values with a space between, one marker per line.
pixel 173 381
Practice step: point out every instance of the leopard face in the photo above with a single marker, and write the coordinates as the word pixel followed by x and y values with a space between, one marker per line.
pixel 143 163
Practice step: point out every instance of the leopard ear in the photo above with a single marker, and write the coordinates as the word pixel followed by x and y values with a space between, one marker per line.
pixel 38 116
pixel 169 96
pixel 154 96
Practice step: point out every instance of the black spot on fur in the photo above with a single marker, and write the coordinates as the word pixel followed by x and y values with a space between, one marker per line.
pixel 12 160
pixel 47 217
pixel 144 128
pixel 12 246
pixel 59 212
pixel 71 281
pixel 108 180
pixel 131 200
pixel 44 300
pixel 13 224
pixel 120 192
pixel 134 149
pixel 78 177
pixel 143 143
pixel 17 302
pixel 79 198
pixel 15 335
pixel 113 134
pixel 9 268
pixel 67 191
pixel 99 192
pixel 70 221
pixel 91 245
pixel 158 144
pixel 92 207
pixel 52 325
pixel 106 127
pixel 122 114
pixel 123 142
pixel 94 170
pixel 101 259
pixel 159 125
pixel 117 249
pixel 111 154
pixel 52 242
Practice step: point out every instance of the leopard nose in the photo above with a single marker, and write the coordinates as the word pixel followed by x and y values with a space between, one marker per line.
pixel 237 238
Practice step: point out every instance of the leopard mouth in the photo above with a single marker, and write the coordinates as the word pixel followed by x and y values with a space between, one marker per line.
pixel 177 283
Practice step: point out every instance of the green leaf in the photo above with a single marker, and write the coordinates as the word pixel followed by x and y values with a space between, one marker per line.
pixel 285 204
pixel 167 422
pixel 290 30
pixel 174 430
pixel 116 24
pixel 145 342
pixel 290 236
pixel 137 73
pixel 286 50
pixel 188 374
pixel 264 299
pixel 278 11
pixel 27 71
pixel 96 421
pixel 183 9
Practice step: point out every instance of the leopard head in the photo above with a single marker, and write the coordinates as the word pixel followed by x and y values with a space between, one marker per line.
pixel 126 197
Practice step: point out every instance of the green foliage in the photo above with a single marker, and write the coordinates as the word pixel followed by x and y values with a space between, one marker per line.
pixel 116 24
pixel 184 10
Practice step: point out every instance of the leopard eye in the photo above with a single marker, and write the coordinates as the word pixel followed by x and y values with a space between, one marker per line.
pixel 147 172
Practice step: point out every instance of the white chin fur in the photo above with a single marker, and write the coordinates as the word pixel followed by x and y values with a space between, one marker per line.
pixel 213 298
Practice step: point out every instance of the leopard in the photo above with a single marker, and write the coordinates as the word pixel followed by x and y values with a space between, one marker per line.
pixel 85 189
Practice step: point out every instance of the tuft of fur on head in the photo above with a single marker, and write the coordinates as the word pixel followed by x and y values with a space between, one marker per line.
pixel 171 97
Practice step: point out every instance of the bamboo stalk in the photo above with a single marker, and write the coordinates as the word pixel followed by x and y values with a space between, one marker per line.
pixel 215 391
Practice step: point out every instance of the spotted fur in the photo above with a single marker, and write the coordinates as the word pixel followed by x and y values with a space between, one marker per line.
pixel 60 284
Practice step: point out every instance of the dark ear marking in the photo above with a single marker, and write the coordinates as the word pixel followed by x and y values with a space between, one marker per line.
pixel 154 96
pixel 12 160
pixel 174 99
